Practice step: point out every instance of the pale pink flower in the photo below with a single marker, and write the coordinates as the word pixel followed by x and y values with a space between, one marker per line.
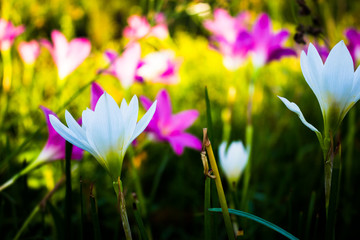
pixel 139 27
pixel 124 67
pixel 8 32
pixel 159 67
pixel 29 51
pixel 67 55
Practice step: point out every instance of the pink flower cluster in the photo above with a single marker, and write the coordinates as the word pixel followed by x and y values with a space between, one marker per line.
pixel 231 37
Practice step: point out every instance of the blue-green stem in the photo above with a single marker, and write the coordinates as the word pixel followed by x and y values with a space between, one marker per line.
pixel 219 187
pixel 7 73
pixel 122 208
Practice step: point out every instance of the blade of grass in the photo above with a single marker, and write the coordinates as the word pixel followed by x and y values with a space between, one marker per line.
pixel 310 214
pixel 138 219
pixel 68 197
pixel 81 211
pixel 219 187
pixel 207 215
pixel 94 215
pixel 258 220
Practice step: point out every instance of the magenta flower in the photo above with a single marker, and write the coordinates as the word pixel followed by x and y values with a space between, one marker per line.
pixel 139 27
pixel 354 43
pixel 322 50
pixel 29 51
pixel 55 146
pixel 67 55
pixel 267 46
pixel 8 33
pixel 230 37
pixel 159 67
pixel 165 126
pixel 125 67
pixel 226 26
pixel 96 92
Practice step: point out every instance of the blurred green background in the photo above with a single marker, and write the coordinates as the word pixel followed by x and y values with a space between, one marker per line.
pixel 287 165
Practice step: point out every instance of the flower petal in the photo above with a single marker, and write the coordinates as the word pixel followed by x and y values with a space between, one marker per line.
pixel 67 134
pixel 294 108
pixel 144 121
pixel 96 92
pixel 179 141
pixel 182 120
pixel 338 74
pixel 312 68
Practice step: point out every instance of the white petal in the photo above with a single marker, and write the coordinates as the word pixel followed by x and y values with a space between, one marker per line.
pixel 144 121
pixel 105 128
pixel 294 108
pixel 74 126
pixel 67 134
pixel 355 96
pixel 312 68
pixel 130 119
pixel 338 75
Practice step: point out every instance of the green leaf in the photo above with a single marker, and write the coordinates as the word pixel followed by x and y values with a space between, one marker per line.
pixel 259 220
pixel 208 115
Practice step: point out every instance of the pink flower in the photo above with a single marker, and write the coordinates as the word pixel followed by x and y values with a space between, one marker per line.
pixel 267 46
pixel 354 43
pixel 226 26
pixel 124 67
pixel 55 146
pixel 165 126
pixel 322 50
pixel 96 92
pixel 230 37
pixel 8 32
pixel 139 27
pixel 29 51
pixel 159 67
pixel 67 55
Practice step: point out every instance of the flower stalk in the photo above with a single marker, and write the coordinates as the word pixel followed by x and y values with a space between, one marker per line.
pixel 7 74
pixel 122 208
pixel 219 186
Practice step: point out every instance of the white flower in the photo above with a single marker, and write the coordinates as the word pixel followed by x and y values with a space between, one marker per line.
pixel 335 85
pixel 233 161
pixel 107 131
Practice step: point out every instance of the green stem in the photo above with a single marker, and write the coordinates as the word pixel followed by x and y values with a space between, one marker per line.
pixel 137 214
pixel 25 171
pixel 122 208
pixel 95 217
pixel 350 148
pixel 68 197
pixel 220 189
pixel 334 195
pixel 137 182
pixel 207 215
pixel 247 172
pixel 27 222
pixel 81 211
pixel 158 176
pixel 7 74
